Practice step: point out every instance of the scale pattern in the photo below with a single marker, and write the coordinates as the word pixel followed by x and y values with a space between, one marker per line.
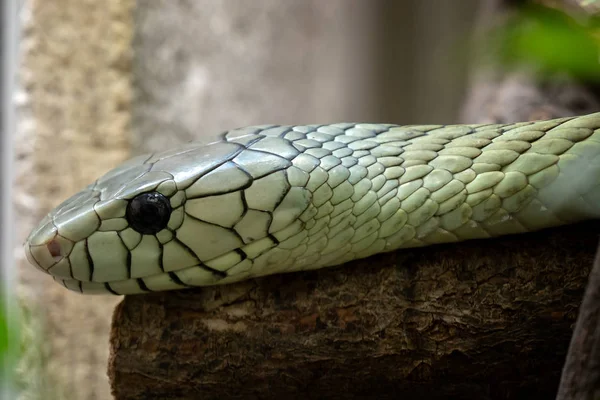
pixel 272 199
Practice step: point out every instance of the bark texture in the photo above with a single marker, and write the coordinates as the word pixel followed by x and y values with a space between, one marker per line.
pixel 581 373
pixel 476 320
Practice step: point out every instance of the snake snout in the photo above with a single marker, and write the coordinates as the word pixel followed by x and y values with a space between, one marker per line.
pixel 46 249
pixel 45 255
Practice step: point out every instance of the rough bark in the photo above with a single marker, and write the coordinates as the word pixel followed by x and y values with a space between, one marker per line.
pixel 478 320
pixel 485 319
pixel 581 373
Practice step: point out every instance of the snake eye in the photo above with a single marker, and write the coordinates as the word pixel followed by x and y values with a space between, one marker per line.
pixel 148 213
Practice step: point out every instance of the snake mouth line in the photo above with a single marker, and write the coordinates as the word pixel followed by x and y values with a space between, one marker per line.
pixel 170 280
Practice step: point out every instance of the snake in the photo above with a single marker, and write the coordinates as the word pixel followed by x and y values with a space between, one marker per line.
pixel 271 199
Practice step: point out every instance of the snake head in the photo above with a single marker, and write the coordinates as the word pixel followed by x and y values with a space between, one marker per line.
pixel 191 216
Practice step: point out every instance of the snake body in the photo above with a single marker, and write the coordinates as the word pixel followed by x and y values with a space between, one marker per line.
pixel 271 199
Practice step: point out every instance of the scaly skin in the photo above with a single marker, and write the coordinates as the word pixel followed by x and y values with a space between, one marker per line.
pixel 272 199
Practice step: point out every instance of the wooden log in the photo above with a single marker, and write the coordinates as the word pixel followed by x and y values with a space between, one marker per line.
pixel 487 319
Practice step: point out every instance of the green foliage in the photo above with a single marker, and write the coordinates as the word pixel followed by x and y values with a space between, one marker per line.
pixel 8 351
pixel 551 41
pixel 25 354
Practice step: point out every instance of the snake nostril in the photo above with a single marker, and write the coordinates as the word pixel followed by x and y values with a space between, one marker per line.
pixel 54 249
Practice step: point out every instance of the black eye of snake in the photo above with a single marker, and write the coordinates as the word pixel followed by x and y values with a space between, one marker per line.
pixel 148 213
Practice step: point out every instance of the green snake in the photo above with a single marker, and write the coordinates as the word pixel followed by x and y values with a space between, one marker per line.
pixel 271 199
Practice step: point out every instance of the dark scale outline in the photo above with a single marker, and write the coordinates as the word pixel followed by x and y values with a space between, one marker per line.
pixel 326 201
pixel 426 131
pixel 312 149
pixel 254 131
pixel 352 126
pixel 289 142
pixel 241 188
pixel 294 142
pixel 175 278
pixel 269 213
pixel 386 127
pixel 168 196
pixel 294 136
pixel 503 130
pixel 331 137
pixel 38 262
pixel 391 196
pixel 342 181
pixel 219 274
pixel 217 225
pixel 142 285
pixel 136 245
pixel 279 200
pixel 182 188
pixel 70 268
pixel 241 253
pixel 160 257
pixel 200 262
pixel 274 242
pixel 289 129
pixel 149 156
pixel 261 131
pixel 471 130
pixel 270 154
pixel 509 127
pixel 223 136
pixel 128 264
pixel 115 194
pixel 273 239
pixel 289 162
pixel 308 155
pixel 128 257
pixel 335 206
pixel 234 155
pixel 131 196
pixel 324 183
pixel 331 155
pixel 252 142
pixel 186 248
pixel 182 151
pixel 312 128
pixel 355 161
pixel 245 205
pixel 356 124
pixel 165 229
pixel 90 260
pixel 483 127
pixel 110 289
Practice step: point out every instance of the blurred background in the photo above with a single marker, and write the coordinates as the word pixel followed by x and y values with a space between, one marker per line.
pixel 101 81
